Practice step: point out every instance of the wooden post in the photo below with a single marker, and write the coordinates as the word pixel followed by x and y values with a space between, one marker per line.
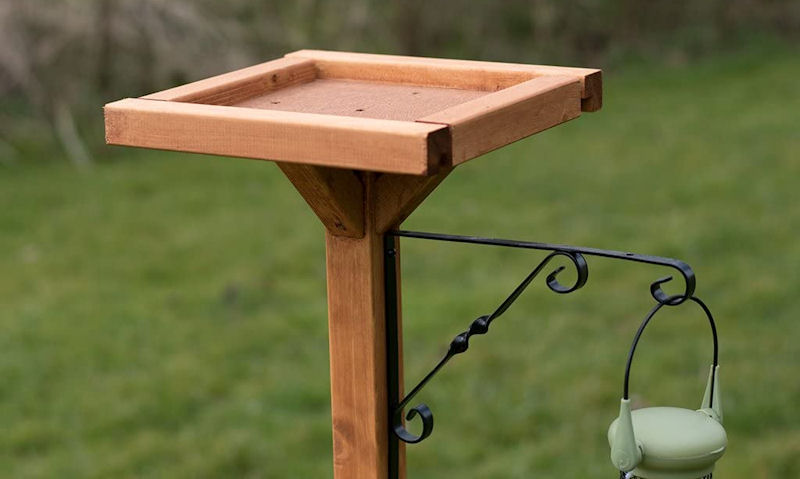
pixel 357 355
pixel 357 208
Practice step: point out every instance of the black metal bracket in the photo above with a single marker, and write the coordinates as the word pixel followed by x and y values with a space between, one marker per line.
pixel 460 344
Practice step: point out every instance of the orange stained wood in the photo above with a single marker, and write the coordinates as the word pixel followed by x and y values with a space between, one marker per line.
pixel 380 113
pixel 357 342
pixel 467 74
pixel 388 101
pixel 292 137
pixel 493 121
pixel 335 195
pixel 356 305
pixel 239 85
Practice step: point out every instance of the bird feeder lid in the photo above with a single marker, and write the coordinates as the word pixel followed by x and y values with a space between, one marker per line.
pixel 676 443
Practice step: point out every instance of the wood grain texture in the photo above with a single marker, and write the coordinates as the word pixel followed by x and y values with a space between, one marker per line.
pixel 335 195
pixel 362 99
pixel 592 93
pixel 495 120
pixel 239 85
pixel 342 142
pixel 356 329
pixel 356 315
pixel 357 332
pixel 397 196
pixel 467 74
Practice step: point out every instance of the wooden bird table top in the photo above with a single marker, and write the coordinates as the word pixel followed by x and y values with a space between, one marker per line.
pixel 366 112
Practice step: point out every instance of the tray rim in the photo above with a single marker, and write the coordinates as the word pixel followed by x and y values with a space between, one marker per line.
pixel 199 117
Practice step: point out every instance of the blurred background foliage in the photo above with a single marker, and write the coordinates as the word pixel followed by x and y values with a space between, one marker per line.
pixel 163 314
pixel 59 59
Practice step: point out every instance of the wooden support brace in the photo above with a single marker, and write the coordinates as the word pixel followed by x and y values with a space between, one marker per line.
pixel 336 196
pixel 356 209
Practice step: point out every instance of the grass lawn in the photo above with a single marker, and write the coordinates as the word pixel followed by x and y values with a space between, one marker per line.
pixel 163 314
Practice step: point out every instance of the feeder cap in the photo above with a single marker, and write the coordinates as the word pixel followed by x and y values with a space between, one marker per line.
pixel 676 443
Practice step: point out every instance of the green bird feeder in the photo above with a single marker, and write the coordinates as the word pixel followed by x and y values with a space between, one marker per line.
pixel 669 442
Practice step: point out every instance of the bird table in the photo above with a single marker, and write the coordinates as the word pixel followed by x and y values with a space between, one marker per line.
pixel 364 139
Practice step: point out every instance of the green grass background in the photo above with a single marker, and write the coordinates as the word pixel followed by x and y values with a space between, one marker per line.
pixel 163 314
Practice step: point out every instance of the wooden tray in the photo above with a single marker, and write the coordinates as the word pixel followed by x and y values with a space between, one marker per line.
pixel 358 111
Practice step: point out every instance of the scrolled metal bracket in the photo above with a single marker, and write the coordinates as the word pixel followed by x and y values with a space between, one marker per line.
pixel 460 344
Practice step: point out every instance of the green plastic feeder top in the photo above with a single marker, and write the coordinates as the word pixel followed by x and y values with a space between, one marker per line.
pixel 676 443
pixel 669 442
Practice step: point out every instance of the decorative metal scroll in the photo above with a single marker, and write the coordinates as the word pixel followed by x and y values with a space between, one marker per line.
pixel 460 344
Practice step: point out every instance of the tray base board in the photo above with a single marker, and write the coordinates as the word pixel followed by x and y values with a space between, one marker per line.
pixel 386 101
